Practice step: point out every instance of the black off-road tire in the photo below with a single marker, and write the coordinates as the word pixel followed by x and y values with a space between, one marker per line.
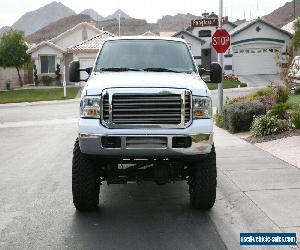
pixel 203 181
pixel 85 181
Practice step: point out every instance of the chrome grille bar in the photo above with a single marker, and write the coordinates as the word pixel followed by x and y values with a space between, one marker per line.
pixel 146 108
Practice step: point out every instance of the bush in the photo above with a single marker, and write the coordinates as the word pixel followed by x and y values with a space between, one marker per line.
pixel 35 76
pixel 263 92
pixel 279 110
pixel 243 85
pixel 8 85
pixel 46 80
pixel 266 101
pixel 267 125
pixel 219 120
pixel 297 91
pixel 238 117
pixel 233 100
pixel 281 94
pixel 295 119
pixel 58 75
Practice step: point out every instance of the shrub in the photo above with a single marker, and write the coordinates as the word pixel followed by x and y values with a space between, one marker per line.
pixel 295 119
pixel 279 110
pixel 35 76
pixel 8 85
pixel 219 119
pixel 297 91
pixel 281 94
pixel 266 101
pixel 235 100
pixel 47 80
pixel 238 117
pixel 263 92
pixel 267 125
pixel 58 75
pixel 243 85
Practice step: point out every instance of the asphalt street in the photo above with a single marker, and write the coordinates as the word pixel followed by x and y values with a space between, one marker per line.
pixel 36 210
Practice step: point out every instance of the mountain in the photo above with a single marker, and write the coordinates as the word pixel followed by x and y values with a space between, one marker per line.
pixel 129 26
pixel 284 14
pixel 176 22
pixel 57 27
pixel 116 14
pixel 93 14
pixel 34 20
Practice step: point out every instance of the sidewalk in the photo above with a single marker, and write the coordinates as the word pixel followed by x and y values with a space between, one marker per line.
pixel 256 191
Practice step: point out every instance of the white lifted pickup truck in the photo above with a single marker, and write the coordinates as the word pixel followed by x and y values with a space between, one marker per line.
pixel 145 115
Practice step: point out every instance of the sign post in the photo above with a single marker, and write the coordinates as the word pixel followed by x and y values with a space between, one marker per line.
pixel 221 43
pixel 220 59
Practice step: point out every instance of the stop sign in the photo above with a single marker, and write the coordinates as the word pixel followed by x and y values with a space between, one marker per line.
pixel 221 40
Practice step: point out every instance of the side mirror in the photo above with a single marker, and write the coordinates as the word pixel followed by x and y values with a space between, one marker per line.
pixel 202 71
pixel 89 70
pixel 74 71
pixel 216 74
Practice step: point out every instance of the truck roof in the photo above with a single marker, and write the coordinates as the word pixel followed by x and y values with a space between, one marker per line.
pixel 145 38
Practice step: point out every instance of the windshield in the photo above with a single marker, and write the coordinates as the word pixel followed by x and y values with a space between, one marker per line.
pixel 146 55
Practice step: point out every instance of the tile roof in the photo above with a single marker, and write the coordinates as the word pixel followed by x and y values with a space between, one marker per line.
pixel 45 43
pixel 76 27
pixel 93 43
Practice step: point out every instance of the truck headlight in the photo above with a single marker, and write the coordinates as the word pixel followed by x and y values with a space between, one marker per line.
pixel 202 107
pixel 90 107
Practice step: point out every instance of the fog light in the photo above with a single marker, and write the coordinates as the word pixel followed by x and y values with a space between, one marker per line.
pixel 181 142
pixel 111 142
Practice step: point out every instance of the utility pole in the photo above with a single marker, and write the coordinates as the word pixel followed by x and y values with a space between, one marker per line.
pixel 119 24
pixel 220 59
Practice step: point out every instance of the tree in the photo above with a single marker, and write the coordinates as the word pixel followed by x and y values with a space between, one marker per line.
pixel 296 37
pixel 13 47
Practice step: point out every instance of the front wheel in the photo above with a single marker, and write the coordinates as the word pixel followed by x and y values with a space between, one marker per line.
pixel 85 181
pixel 203 181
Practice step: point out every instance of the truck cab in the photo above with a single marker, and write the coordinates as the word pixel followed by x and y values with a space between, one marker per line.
pixel 145 115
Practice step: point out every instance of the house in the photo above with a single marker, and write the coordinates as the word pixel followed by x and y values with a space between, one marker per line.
pixel 58 50
pixel 195 43
pixel 257 46
pixel 86 51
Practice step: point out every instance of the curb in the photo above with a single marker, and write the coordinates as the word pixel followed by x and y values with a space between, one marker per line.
pixel 24 104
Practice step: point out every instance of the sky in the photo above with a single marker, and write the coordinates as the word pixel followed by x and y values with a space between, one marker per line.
pixel 151 10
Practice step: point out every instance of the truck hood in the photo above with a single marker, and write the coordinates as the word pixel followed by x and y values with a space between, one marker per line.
pixel 129 79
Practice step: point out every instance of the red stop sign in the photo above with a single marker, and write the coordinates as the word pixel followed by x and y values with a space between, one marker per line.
pixel 221 40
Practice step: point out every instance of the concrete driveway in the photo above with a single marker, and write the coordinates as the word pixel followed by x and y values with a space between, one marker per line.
pixel 256 193
pixel 260 80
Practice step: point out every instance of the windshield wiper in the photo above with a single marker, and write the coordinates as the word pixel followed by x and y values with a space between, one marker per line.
pixel 116 69
pixel 162 70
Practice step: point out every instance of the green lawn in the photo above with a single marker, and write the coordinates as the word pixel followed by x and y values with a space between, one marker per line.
pixel 33 95
pixel 227 84
pixel 294 100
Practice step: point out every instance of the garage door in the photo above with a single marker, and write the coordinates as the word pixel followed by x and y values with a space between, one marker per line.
pixel 255 61
pixel 85 63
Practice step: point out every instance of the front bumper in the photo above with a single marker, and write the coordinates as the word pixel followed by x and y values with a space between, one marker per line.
pixel 91 132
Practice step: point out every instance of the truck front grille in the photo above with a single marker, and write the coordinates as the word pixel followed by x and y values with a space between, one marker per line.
pixel 162 108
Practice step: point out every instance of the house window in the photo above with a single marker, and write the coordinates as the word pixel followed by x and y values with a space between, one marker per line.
pixel 47 64
pixel 204 33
